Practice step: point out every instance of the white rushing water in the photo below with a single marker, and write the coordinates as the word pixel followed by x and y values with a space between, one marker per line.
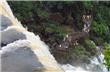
pixel 96 65
pixel 21 50
pixel 70 68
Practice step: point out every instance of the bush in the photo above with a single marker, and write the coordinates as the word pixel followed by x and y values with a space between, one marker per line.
pixel 107 58
pixel 43 13
pixel 106 45
pixel 79 54
pixel 54 27
pixel 90 47
pixel 99 41
pixel 107 55
pixel 100 29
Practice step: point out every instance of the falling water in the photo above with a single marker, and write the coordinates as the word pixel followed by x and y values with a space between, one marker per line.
pixel 94 66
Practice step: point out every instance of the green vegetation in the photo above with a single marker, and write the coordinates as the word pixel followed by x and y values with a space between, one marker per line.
pixel 80 54
pixel 90 47
pixel 54 20
pixel 100 29
pixel 107 55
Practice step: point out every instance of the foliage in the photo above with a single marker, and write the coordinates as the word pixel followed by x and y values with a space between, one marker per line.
pixel 90 44
pixel 88 5
pixel 106 45
pixel 53 27
pixel 99 41
pixel 100 29
pixel 90 47
pixel 36 16
pixel 43 13
pixel 79 54
pixel 107 58
pixel 107 55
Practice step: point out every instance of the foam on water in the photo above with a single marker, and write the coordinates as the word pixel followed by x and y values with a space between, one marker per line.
pixel 70 68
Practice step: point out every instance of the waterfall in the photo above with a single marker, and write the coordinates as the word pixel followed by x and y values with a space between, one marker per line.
pixel 94 66
pixel 21 50
pixel 99 61
pixel 70 68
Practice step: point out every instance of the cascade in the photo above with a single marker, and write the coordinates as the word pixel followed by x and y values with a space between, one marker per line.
pixel 21 50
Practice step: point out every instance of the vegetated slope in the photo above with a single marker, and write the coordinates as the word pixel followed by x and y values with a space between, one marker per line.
pixel 53 21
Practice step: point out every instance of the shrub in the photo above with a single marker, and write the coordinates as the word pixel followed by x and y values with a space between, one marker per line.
pixel 106 45
pixel 107 55
pixel 90 47
pixel 107 58
pixel 79 54
pixel 99 41
pixel 42 13
pixel 99 29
